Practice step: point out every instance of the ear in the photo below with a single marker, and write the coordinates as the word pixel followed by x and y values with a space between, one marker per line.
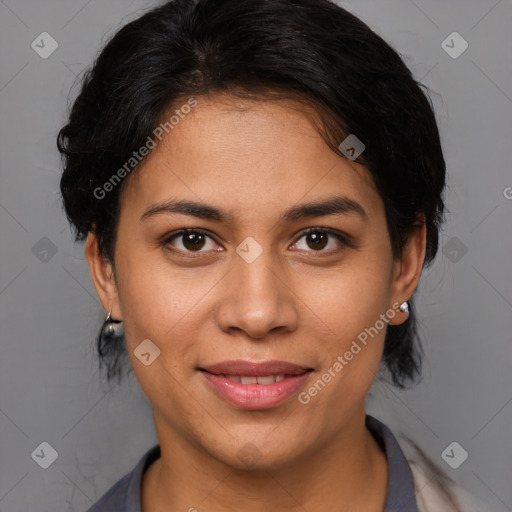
pixel 102 275
pixel 407 269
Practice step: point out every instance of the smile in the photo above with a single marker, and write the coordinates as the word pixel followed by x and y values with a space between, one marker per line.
pixel 250 379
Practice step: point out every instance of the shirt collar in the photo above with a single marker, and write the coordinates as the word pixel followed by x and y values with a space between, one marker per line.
pixel 400 495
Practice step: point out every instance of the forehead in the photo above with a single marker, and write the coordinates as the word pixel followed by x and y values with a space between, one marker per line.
pixel 244 155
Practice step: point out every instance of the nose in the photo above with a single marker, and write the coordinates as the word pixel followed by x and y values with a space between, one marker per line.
pixel 257 299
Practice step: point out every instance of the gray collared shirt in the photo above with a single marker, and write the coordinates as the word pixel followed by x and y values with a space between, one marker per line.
pixel 124 496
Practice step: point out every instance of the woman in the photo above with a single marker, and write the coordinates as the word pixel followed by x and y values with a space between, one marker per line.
pixel 259 183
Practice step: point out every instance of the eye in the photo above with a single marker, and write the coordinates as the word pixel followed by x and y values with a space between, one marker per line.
pixel 194 240
pixel 190 240
pixel 319 238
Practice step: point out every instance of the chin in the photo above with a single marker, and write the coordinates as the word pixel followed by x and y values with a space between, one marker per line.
pixel 253 455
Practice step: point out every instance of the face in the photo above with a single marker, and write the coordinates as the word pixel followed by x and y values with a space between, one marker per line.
pixel 260 278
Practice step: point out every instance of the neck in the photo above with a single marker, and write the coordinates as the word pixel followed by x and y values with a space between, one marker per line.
pixel 346 473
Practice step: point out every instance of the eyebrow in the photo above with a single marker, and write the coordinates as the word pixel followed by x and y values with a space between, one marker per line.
pixel 338 205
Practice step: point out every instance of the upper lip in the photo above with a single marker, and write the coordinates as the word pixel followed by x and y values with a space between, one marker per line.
pixel 249 368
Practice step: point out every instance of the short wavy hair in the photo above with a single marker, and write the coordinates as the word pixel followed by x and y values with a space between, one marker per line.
pixel 310 50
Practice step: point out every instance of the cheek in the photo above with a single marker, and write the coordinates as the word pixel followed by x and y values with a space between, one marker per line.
pixel 160 306
pixel 165 304
pixel 352 305
pixel 348 300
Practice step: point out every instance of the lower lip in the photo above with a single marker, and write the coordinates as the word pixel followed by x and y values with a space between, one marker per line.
pixel 255 396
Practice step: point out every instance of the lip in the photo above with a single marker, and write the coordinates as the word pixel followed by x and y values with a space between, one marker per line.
pixel 255 396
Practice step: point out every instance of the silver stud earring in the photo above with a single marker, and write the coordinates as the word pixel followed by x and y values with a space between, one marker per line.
pixel 112 327
pixel 404 308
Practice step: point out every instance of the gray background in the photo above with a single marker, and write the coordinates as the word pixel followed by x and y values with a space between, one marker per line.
pixel 49 383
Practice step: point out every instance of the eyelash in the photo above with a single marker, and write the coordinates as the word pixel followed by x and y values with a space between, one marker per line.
pixel 344 239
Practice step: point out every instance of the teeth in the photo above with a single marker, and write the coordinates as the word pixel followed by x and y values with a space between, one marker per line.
pixel 264 379
pixel 268 379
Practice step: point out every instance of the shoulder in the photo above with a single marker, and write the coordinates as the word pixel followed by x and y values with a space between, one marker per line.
pixel 435 490
pixel 114 500
pixel 124 495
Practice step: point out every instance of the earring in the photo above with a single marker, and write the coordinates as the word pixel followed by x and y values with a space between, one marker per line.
pixel 404 308
pixel 112 327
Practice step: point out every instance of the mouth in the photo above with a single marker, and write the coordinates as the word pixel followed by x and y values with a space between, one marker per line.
pixel 241 368
pixel 250 379
pixel 249 385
